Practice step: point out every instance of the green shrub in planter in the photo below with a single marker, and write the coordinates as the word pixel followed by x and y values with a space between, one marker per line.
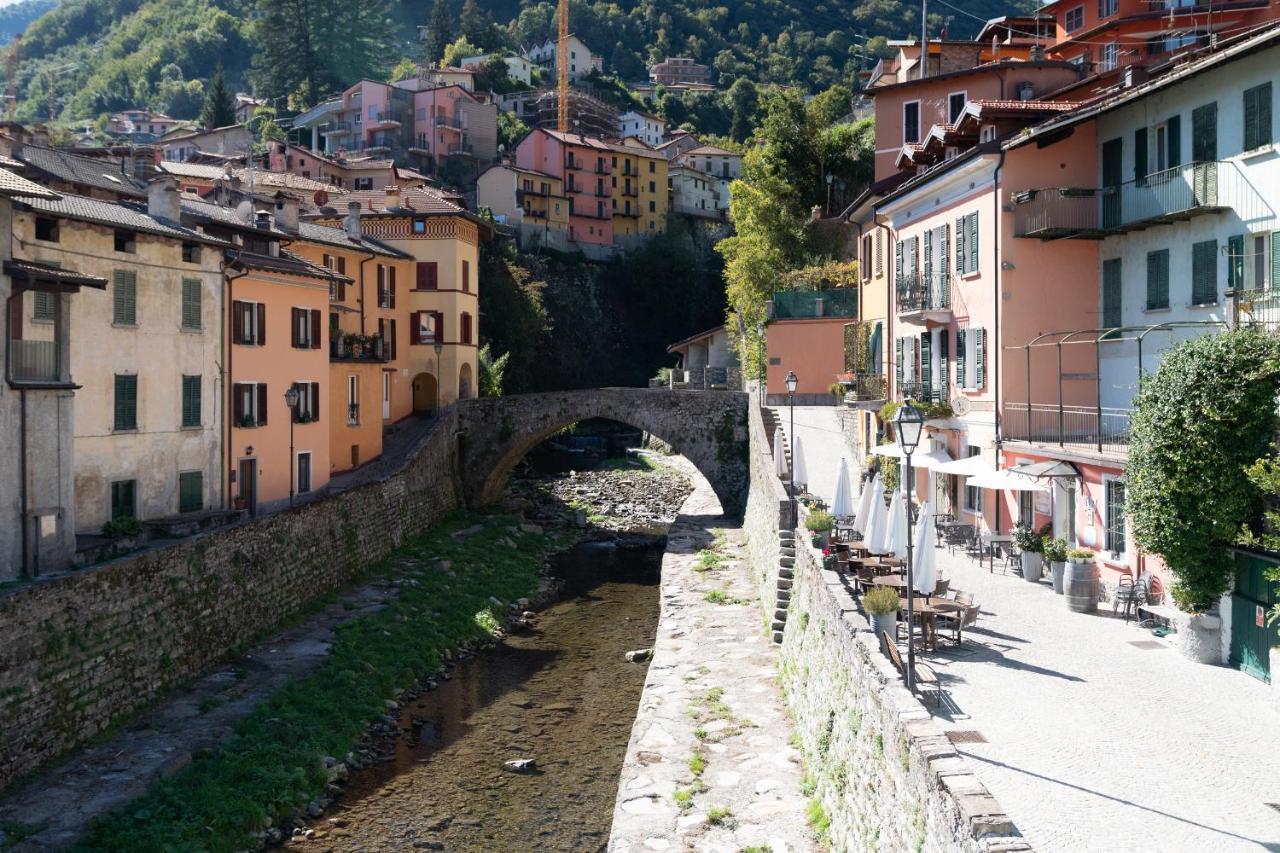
pixel 1055 550
pixel 122 528
pixel 1079 555
pixel 820 522
pixel 1028 541
pixel 880 601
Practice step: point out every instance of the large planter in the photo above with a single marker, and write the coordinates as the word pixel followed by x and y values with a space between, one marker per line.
pixel 882 623
pixel 1080 585
pixel 1032 566
pixel 1058 571
pixel 821 539
pixel 1199 637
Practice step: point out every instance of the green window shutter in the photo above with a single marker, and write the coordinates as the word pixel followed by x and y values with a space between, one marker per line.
pixel 192 293
pixel 1235 262
pixel 1112 313
pixel 1173 132
pixel 898 363
pixel 980 357
pixel 944 377
pixel 191 401
pixel 1157 280
pixel 961 334
pixel 928 255
pixel 897 262
pixel 1140 155
pixel 1204 272
pixel 972 243
pixel 191 491
pixel 123 499
pixel 126 402
pixel 124 297
pixel 960 247
pixel 943 251
pixel 45 302
pixel 926 365
pixel 1257 117
pixel 1275 260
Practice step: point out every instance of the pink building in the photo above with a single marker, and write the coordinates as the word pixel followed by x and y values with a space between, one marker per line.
pixel 584 165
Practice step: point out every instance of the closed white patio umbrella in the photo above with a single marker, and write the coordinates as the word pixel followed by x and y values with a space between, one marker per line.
pixel 924 565
pixel 877 522
pixel 897 541
pixel 864 506
pixel 780 465
pixel 799 473
pixel 842 505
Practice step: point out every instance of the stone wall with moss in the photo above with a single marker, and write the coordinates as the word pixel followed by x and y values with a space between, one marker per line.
pixel 81 651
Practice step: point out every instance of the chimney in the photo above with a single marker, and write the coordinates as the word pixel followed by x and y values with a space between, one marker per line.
pixel 353 220
pixel 393 197
pixel 287 212
pixel 262 220
pixel 162 199
pixel 1037 53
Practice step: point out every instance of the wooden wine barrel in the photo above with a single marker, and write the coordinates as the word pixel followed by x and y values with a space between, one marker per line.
pixel 1081 582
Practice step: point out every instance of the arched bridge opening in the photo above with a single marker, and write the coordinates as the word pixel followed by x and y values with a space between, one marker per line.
pixel 709 428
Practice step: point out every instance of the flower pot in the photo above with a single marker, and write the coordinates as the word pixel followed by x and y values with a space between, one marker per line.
pixel 1080 585
pixel 1032 566
pixel 1059 571
pixel 822 538
pixel 882 623
pixel 1198 637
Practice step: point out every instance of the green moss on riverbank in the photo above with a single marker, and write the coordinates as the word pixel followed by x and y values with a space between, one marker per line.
pixel 273 764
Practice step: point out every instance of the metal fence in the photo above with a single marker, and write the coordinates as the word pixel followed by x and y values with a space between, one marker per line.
pixel 33 361
pixel 924 293
pixel 1103 429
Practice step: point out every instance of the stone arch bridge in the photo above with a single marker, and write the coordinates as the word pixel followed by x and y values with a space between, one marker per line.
pixel 709 428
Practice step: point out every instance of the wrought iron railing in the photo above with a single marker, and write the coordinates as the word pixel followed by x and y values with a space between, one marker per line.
pixel 34 361
pixel 924 293
pixel 922 392
pixel 446 121
pixel 1104 429
pixel 864 387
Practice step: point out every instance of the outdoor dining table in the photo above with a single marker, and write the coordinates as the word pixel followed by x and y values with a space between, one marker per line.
pixel 991 540
pixel 928 607
pixel 890 580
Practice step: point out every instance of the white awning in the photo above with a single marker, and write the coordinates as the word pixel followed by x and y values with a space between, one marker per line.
pixel 970 466
pixel 1051 468
pixel 1005 480
pixel 891 450
pixel 927 459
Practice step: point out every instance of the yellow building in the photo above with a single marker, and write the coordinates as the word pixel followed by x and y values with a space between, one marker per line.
pixel 639 188
pixel 528 200
pixel 443 295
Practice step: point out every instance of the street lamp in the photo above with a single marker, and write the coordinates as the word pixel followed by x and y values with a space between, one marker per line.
pixel 909 423
pixel 291 400
pixel 439 348
pixel 764 368
pixel 791 382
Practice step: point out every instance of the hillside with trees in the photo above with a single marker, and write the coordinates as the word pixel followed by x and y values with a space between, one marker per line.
pixel 96 56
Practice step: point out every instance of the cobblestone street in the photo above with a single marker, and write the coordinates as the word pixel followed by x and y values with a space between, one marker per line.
pixel 1101 737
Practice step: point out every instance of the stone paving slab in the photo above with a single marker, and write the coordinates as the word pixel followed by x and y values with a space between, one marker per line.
pixel 711 697
pixel 1095 744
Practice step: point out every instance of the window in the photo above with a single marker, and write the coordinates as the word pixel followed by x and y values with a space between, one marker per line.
pixel 306 328
pixel 1115 518
pixel 1109 56
pixel 1161 148
pixel 466 276
pixel 1158 280
pixel 353 400
pixel 1204 272
pixel 971 358
pixel 1027 509
pixel 248 323
pixel 249 404
pixel 1111 305
pixel 363 184
pixel 653 208
pixel 967 244
pixel 308 408
pixel 126 241
pixel 879 252
pixel 124 499
pixel 190 491
pixel 47 229
pixel 190 402
pixel 419 226
pixel 304 472
pixel 427 276
pixel 191 253
pixel 1257 117
pixel 1074 19
pixel 955 105
pixel 1235 262
pixel 126 403
pixel 973 496
pixel 1260 259
pixel 1106 8
pixel 910 122
pixel 124 298
pixel 192 294
pixel 45 306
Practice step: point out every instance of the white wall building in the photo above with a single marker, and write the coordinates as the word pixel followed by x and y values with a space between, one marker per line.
pixel 693 193
pixel 644 126
pixel 518 67
pixel 581 60
pixel 712 160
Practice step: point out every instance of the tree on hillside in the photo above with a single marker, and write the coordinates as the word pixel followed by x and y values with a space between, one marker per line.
pixel 219 109
pixel 439 32
pixel 477 26
pixel 744 101
pixel 459 50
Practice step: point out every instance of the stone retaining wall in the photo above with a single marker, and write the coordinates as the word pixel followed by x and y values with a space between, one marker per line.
pixel 884 772
pixel 79 651
pixel 768 509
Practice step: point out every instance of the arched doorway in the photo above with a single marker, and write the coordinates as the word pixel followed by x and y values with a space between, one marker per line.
pixel 424 392
pixel 465 384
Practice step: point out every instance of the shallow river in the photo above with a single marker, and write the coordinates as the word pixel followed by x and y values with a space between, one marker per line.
pixel 560 693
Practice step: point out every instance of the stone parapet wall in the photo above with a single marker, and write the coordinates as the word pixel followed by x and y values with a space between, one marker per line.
pixel 80 651
pixel 768 513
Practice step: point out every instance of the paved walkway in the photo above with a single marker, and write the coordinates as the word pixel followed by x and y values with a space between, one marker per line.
pixel 823 444
pixel 1101 737
pixel 709 767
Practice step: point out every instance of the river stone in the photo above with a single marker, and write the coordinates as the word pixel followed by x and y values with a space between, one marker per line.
pixel 520 765
pixel 639 655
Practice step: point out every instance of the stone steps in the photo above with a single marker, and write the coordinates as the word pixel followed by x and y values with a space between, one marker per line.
pixel 786 574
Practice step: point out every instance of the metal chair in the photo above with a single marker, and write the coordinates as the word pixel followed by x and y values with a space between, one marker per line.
pixel 1131 595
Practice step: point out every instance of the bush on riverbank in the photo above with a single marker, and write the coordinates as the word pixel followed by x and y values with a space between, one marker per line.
pixel 274 763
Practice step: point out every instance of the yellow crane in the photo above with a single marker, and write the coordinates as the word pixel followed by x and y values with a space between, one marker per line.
pixel 11 66
pixel 562 70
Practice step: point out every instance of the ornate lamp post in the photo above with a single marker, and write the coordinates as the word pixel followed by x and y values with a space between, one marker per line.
pixel 909 423
pixel 439 348
pixel 291 400
pixel 791 382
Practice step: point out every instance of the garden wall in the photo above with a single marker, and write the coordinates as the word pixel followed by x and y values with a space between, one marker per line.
pixel 885 773
pixel 79 651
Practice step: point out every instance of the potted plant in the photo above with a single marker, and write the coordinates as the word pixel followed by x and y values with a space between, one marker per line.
pixel 828 559
pixel 126 527
pixel 820 524
pixel 1055 554
pixel 881 605
pixel 1031 544
pixel 1080 584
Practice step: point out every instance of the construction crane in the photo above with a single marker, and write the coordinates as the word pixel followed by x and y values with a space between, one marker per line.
pixel 11 66
pixel 562 70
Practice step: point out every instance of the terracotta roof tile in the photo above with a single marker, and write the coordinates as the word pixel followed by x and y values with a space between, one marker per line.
pixel 116 215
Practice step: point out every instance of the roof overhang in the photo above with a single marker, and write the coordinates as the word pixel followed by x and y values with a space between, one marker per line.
pixel 30 275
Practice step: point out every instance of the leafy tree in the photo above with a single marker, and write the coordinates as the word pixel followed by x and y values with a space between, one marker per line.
pixel 744 100
pixel 510 129
pixel 478 26
pixel 403 69
pixel 1199 422
pixel 457 51
pixel 491 371
pixel 439 32
pixel 219 109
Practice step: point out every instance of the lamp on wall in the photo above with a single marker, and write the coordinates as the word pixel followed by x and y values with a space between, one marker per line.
pixel 291 398
pixel 909 424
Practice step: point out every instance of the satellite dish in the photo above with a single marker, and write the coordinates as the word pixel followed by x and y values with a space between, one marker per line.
pixel 321 198
pixel 960 405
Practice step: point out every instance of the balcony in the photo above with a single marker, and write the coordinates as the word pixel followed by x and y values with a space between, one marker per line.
pixel 1174 195
pixel 34 361
pixel 343 347
pixel 922 392
pixel 463 150
pixel 631 192
pixel 451 123
pixel 1097 429
pixel 629 212
pixel 810 304
pixel 330 128
pixel 864 390
pixel 925 298
pixel 570 163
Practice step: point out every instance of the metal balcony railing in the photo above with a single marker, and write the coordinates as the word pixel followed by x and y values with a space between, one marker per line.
pixel 922 392
pixel 864 387
pixel 916 293
pixel 1105 430
pixel 34 361
pixel 1172 195
pixel 461 149
pixel 385 117
pixel 446 121
pixel 353 414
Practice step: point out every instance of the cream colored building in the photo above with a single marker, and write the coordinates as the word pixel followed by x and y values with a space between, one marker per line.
pixel 530 201
pixel 694 193
pixel 146 351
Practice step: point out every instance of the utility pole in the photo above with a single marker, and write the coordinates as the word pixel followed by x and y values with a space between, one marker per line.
pixel 924 37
